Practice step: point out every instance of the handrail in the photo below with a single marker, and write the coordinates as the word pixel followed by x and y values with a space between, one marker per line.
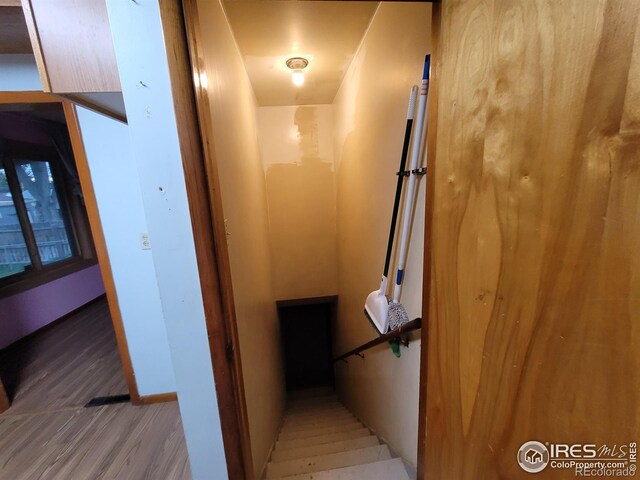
pixel 401 330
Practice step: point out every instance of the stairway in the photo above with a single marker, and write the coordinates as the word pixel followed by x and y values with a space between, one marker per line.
pixel 321 440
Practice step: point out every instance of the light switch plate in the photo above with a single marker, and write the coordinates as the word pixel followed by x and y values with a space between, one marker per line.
pixel 145 243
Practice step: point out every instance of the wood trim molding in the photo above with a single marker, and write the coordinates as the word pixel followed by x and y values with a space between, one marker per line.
pixel 92 106
pixel 432 121
pixel 157 398
pixel 181 33
pixel 10 3
pixel 101 248
pixel 42 97
pixel 28 97
pixel 297 302
pixel 36 44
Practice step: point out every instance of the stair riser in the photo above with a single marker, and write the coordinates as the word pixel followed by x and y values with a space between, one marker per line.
pixel 311 393
pixel 333 437
pixel 328 419
pixel 328 462
pixel 338 415
pixel 314 432
pixel 312 411
pixel 312 403
pixel 312 399
pixel 325 422
pixel 385 470
pixel 317 415
pixel 325 448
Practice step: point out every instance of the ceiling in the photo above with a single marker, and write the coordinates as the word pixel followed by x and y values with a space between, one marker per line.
pixel 327 33
pixel 51 112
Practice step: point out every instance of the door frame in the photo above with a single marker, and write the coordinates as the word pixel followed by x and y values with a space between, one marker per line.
pixel 182 39
pixel 36 97
pixel 432 122
pixel 179 28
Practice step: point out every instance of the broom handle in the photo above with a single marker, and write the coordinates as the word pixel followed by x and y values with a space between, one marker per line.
pixel 403 162
pixel 409 198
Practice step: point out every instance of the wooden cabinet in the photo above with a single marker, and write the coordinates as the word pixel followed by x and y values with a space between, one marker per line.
pixel 71 40
pixel 14 37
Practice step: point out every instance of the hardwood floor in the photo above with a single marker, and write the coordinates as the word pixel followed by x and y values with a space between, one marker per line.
pixel 48 434
pixel 65 366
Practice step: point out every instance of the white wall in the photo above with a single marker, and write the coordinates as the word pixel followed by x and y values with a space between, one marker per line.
pixel 370 113
pixel 119 198
pixel 140 53
pixel 18 72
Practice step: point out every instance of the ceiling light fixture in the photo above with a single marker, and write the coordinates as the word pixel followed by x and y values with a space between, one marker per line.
pixel 297 64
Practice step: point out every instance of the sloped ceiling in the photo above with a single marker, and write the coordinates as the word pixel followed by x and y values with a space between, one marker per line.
pixel 327 33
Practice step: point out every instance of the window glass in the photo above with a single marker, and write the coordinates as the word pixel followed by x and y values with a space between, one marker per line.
pixel 43 207
pixel 14 256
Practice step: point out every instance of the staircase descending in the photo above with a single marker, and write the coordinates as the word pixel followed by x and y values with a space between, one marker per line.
pixel 321 440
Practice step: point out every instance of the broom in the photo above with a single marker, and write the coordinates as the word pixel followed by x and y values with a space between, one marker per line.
pixel 397 313
pixel 376 307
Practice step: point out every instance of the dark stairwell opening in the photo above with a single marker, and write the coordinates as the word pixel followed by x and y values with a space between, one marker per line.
pixel 306 329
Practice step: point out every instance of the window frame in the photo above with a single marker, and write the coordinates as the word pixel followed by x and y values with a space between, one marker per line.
pixel 72 211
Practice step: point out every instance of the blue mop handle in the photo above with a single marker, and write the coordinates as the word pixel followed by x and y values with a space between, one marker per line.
pixel 427 68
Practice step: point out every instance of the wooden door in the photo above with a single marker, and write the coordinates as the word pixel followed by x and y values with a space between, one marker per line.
pixel 534 318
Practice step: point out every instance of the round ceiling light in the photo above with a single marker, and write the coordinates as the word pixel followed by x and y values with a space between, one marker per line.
pixel 297 64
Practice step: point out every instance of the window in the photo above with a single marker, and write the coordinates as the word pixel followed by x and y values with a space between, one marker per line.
pixel 14 257
pixel 38 233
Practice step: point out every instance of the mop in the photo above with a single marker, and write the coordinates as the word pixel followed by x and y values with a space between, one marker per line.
pixel 376 307
pixel 397 313
pixel 379 308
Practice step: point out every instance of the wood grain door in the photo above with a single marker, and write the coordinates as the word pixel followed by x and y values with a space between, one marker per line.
pixel 534 318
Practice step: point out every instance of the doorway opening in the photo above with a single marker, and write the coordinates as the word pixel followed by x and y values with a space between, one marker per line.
pixel 58 344
pixel 302 179
pixel 306 327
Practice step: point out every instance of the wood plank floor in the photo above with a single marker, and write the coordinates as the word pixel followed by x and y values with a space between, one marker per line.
pixel 65 366
pixel 47 434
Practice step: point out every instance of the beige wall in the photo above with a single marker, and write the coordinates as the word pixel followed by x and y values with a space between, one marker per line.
pixel 234 119
pixel 297 153
pixel 370 112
